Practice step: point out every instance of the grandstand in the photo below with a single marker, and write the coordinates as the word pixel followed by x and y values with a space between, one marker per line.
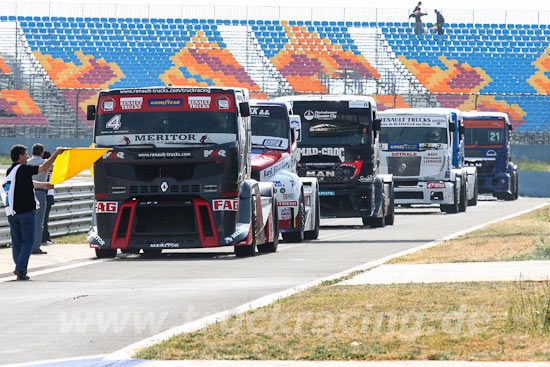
pixel 51 67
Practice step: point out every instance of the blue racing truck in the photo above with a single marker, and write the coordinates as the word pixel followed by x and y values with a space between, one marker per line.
pixel 488 149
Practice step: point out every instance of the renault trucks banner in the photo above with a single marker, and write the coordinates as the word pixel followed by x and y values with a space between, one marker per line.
pixel 484 124
pixel 111 104
pixel 413 120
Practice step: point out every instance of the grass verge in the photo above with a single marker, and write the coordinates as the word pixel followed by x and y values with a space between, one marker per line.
pixel 72 238
pixel 456 321
pixel 5 160
pixel 526 237
pixel 528 165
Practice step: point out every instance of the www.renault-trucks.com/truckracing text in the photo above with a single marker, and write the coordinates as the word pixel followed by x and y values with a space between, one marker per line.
pixel 338 146
pixel 178 175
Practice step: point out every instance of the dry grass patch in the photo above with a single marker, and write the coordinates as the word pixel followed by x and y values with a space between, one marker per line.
pixel 511 239
pixel 76 238
pixel 467 321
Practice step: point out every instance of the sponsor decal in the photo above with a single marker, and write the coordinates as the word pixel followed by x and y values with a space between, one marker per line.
pixel 216 153
pixel 403 146
pixel 164 90
pixel 164 245
pixel 131 103
pixel 287 203
pixel 447 174
pixel 359 104
pixel 330 151
pixel 106 207
pixel 368 179
pixel 108 104
pixel 166 138
pixel 321 174
pixel 436 185
pixel 277 184
pixel 96 237
pixel 165 102
pixel 113 155
pixel 491 153
pixel 320 115
pixel 223 102
pixel 327 193
pixel 239 231
pixel 114 123
pixel 404 154
pixel 259 111
pixel 428 160
pixel 164 155
pixel 413 121
pixel 199 102
pixel 273 143
pixel 226 205
pixel 271 171
pixel 125 140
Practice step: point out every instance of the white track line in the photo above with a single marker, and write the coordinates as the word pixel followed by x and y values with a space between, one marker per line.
pixel 129 351
pixel 52 361
pixel 59 268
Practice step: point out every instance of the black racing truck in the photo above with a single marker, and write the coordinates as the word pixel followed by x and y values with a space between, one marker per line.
pixel 178 174
pixel 339 146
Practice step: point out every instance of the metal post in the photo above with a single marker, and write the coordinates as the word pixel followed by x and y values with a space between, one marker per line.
pixel 76 114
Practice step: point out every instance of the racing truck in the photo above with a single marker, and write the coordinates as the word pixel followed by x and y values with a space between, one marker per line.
pixel 338 146
pixel 488 149
pixel 424 150
pixel 275 155
pixel 179 173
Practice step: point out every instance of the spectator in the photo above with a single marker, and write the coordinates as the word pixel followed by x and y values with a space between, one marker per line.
pixel 20 204
pixel 418 29
pixel 46 238
pixel 40 194
pixel 440 21
pixel 417 7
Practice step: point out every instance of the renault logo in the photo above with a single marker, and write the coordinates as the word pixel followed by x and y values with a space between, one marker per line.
pixel 164 186
pixel 402 168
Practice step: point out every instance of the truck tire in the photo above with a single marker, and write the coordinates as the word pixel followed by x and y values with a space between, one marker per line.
pixel 390 216
pixel 249 250
pixel 463 204
pixel 473 201
pixel 297 236
pixel 272 246
pixel 152 253
pixel 516 187
pixel 313 235
pixel 451 208
pixel 105 253
pixel 380 222
pixel 514 195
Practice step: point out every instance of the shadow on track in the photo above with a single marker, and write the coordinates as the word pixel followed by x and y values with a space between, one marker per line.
pixel 188 256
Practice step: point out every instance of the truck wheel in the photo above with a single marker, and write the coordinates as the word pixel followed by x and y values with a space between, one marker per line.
pixel 272 246
pixel 249 250
pixel 473 201
pixel 463 205
pixel 104 253
pixel 376 222
pixel 297 236
pixel 516 187
pixel 152 253
pixel 390 216
pixel 313 235
pixel 451 208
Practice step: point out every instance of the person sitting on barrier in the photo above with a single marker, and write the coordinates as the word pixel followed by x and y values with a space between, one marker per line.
pixel 440 22
pixel 17 192
pixel 46 238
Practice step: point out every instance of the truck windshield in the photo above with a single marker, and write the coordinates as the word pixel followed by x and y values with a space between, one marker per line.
pixel 484 136
pixel 333 122
pixel 165 127
pixel 270 127
pixel 413 135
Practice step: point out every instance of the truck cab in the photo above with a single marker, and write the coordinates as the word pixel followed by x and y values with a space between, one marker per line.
pixel 488 148
pixel 339 147
pixel 275 155
pixel 178 174
pixel 424 150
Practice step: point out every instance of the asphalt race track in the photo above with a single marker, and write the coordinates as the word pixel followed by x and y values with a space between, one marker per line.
pixel 101 308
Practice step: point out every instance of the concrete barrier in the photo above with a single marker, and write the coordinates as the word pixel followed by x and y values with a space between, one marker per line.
pixel 530 153
pixel 534 183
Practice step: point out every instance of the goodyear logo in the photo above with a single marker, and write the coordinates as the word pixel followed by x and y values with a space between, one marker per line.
pixel 165 102
pixel 403 146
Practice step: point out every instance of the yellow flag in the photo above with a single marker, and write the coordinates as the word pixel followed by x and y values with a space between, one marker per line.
pixel 73 161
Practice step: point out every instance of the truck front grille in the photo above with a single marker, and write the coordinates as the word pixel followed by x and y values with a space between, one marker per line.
pixel 331 174
pixel 173 189
pixel 404 166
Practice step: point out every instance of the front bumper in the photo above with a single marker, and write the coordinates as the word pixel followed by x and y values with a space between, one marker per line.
pixel 425 193
pixel 499 183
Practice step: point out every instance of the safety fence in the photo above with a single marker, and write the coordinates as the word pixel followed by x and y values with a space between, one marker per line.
pixel 71 213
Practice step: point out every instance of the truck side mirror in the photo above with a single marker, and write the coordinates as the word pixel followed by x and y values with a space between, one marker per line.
pixel 90 112
pixel 244 107
pixel 377 124
pixel 510 128
pixel 452 126
pixel 461 130
pixel 295 122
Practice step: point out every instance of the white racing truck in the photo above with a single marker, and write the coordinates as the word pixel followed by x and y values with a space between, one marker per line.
pixel 424 150
pixel 275 154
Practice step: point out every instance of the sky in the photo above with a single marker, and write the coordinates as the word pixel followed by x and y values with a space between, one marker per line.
pixel 403 4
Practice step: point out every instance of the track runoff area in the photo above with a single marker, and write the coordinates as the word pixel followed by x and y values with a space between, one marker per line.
pixel 110 308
